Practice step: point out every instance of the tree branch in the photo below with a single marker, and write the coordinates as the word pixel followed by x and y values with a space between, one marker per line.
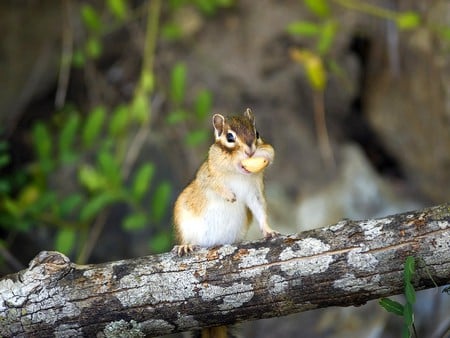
pixel 348 263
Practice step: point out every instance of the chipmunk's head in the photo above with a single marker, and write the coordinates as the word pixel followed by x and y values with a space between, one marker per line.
pixel 236 137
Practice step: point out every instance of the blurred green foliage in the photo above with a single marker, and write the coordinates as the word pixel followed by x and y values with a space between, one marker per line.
pixel 324 26
pixel 86 162
pixel 90 151
pixel 182 113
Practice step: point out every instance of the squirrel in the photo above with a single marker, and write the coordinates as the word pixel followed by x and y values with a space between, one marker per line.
pixel 217 207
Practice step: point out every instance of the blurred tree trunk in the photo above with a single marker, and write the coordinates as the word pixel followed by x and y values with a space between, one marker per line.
pixel 345 264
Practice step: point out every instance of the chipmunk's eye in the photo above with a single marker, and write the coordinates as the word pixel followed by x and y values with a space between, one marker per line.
pixel 231 138
pixel 257 135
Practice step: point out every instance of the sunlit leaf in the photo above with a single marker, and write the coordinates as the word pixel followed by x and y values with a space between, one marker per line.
pixel 318 7
pixel 315 70
pixel 91 179
pixel 65 240
pixel 140 107
pixel 90 17
pixel 67 138
pixel 142 180
pixel 326 37
pixel 171 31
pixel 408 20
pixel 109 167
pixel 178 83
pixel 95 205
pixel 177 116
pixel 203 104
pixel 93 125
pixel 196 137
pixel 93 47
pixel 147 82
pixel 119 8
pixel 303 28
pixel 28 195
pixel 135 221
pixel 160 200
pixel 119 121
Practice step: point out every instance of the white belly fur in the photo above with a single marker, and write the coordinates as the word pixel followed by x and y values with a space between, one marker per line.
pixel 221 222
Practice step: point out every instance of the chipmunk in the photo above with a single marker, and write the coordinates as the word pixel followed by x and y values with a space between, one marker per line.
pixel 216 208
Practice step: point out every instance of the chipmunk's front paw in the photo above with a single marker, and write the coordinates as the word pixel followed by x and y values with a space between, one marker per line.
pixel 184 249
pixel 268 234
pixel 229 196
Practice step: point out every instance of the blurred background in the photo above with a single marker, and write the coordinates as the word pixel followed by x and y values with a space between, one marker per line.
pixel 105 115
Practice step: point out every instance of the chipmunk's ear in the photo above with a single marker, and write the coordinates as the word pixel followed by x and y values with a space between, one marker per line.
pixel 219 124
pixel 248 114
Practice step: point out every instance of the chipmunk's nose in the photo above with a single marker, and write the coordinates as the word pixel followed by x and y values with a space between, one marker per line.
pixel 250 150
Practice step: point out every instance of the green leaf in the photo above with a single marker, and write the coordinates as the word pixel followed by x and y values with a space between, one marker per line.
pixel 136 221
pixel 409 269
pixel 93 47
pixel 208 7
pixel 408 20
pixel 118 8
pixel 160 242
pixel 140 107
pixel 303 28
pixel 408 314
pixel 326 37
pixel 147 82
pixel 95 205
pixel 410 293
pixel 91 179
pixel 318 7
pixel 196 137
pixel 391 306
pixel 42 140
pixel 171 31
pixel 70 203
pixel 67 138
pixel 43 146
pixel 109 168
pixel 93 125
pixel 78 58
pixel 203 104
pixel 90 18
pixel 160 201
pixel 142 180
pixel 444 32
pixel 119 121
pixel 178 83
pixel 65 240
pixel 406 332
pixel 177 116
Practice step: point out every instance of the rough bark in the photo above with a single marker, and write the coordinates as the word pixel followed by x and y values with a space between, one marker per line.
pixel 345 264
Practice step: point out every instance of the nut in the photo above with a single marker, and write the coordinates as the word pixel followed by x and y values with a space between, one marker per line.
pixel 255 164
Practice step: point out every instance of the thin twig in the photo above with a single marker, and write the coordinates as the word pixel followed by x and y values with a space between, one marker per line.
pixel 321 127
pixel 66 55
